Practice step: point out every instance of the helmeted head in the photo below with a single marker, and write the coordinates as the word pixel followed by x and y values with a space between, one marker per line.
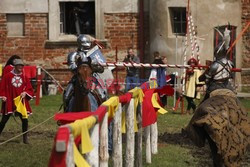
pixel 192 61
pixel 84 42
pixel 220 51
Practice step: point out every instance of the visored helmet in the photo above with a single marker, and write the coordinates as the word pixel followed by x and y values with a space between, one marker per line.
pixel 84 42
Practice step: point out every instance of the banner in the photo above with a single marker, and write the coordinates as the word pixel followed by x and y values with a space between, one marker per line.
pixel 96 55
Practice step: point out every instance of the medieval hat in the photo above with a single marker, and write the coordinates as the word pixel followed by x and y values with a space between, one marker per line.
pixel 18 62
pixel 192 60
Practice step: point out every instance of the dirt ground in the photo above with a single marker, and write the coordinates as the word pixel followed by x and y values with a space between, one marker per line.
pixel 201 155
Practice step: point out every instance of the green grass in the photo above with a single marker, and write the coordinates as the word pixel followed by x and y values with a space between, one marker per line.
pixel 37 153
pixel 246 103
pixel 171 156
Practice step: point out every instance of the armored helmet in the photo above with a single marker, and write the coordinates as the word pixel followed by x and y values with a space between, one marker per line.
pixel 83 42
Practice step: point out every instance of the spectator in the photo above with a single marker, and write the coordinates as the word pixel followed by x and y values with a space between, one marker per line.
pixel 192 82
pixel 132 78
pixel 153 73
pixel 164 96
pixel 159 75
pixel 15 84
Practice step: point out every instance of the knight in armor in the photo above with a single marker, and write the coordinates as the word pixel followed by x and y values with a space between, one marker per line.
pixel 218 75
pixel 84 45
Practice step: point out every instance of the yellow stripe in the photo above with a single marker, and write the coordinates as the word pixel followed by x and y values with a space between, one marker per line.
pixel 112 104
pixel 137 94
pixel 155 103
pixel 78 158
pixel 1 70
pixel 81 127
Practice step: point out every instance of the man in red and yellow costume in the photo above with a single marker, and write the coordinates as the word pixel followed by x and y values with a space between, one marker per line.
pixel 15 85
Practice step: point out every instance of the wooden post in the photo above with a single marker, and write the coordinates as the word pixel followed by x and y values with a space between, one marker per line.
pixel 138 139
pixel 117 138
pixel 38 89
pixel 93 157
pixel 104 156
pixel 130 137
pixel 154 138
pixel 148 145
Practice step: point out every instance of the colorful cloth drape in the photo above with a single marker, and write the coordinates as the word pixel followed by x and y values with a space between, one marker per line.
pixel 112 104
pixel 81 127
pixel 29 71
pixel 150 107
pixel 65 118
pixel 58 159
pixel 20 107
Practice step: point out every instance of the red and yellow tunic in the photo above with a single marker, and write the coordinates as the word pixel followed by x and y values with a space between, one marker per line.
pixel 12 85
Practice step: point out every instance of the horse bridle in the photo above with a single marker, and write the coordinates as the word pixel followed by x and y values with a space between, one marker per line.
pixel 82 83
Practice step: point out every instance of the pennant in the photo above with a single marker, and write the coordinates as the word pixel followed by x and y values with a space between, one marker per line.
pixel 137 94
pixel 81 127
pixel 1 70
pixel 112 105
pixel 155 98
pixel 20 107
pixel 78 158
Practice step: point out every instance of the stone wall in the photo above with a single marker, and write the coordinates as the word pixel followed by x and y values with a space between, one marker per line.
pixel 246 43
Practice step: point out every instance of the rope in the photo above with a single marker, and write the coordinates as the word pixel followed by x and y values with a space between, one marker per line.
pixel 27 130
pixel 51 77
pixel 139 65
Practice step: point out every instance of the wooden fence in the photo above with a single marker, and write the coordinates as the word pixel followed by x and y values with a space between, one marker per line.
pixel 124 115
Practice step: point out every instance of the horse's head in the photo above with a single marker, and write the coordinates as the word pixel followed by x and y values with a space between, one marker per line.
pixel 83 84
pixel 84 73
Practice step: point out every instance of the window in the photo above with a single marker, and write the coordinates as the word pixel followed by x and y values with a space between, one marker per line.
pixel 178 20
pixel 62 27
pixel 77 18
pixel 15 25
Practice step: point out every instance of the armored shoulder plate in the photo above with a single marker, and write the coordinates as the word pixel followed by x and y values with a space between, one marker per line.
pixel 213 68
pixel 72 57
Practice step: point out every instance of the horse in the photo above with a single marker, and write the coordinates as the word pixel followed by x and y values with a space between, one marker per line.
pixel 223 122
pixel 85 98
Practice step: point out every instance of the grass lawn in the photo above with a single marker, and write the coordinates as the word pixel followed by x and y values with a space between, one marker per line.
pixel 37 153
